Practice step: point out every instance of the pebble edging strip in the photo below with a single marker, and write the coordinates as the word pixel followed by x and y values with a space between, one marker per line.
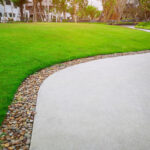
pixel 16 130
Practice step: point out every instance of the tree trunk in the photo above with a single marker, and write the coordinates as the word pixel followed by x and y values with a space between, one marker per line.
pixel 34 10
pixel 21 10
pixel 41 11
pixel 74 12
pixel 145 14
pixel 64 15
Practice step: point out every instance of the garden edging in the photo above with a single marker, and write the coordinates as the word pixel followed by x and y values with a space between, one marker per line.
pixel 16 130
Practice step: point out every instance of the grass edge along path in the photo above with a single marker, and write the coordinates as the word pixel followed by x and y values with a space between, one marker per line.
pixel 27 48
pixel 22 111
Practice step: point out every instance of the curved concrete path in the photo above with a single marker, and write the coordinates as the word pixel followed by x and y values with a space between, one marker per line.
pixel 98 105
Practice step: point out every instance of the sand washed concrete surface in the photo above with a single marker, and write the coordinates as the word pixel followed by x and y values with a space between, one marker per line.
pixel 98 105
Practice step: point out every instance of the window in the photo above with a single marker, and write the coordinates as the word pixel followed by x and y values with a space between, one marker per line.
pixel 10 14
pixel 8 2
pixel 0 14
pixel 14 15
pixel 5 14
pixel 15 6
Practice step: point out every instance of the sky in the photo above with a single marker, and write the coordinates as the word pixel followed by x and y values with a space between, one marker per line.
pixel 96 3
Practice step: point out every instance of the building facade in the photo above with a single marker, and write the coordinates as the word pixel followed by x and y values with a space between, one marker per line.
pixel 10 12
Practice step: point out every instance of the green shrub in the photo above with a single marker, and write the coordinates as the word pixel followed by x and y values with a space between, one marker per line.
pixel 122 23
pixel 143 25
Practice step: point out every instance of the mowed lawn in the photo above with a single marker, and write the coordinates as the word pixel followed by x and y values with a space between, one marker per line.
pixel 26 48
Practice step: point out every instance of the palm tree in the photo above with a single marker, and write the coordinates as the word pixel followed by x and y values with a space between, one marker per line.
pixel 35 10
pixel 41 13
pixel 63 7
pixel 92 11
pixel 76 4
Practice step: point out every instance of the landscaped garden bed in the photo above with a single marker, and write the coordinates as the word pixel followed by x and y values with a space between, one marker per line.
pixel 25 49
pixel 143 25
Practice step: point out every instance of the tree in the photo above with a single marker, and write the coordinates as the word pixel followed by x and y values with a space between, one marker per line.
pixel 35 10
pixel 56 4
pixel 92 11
pixel 82 9
pixel 41 10
pixel 70 10
pixel 60 6
pixel 1 2
pixel 145 7
pixel 113 9
pixel 63 7
pixel 82 13
pixel 74 4
pixel 20 3
pixel 137 10
pixel 97 14
pixel 77 5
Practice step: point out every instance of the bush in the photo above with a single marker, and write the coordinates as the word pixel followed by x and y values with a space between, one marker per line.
pixel 30 20
pixel 143 25
pixel 122 23
pixel 64 20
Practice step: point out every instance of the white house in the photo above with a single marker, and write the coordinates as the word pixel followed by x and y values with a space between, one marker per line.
pixel 10 12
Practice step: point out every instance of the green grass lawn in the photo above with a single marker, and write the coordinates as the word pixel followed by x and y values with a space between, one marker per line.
pixel 143 25
pixel 26 48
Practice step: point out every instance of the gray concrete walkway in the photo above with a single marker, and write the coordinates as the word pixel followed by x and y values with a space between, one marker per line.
pixel 133 27
pixel 98 105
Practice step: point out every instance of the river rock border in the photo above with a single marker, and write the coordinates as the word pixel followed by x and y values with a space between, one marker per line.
pixel 16 130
